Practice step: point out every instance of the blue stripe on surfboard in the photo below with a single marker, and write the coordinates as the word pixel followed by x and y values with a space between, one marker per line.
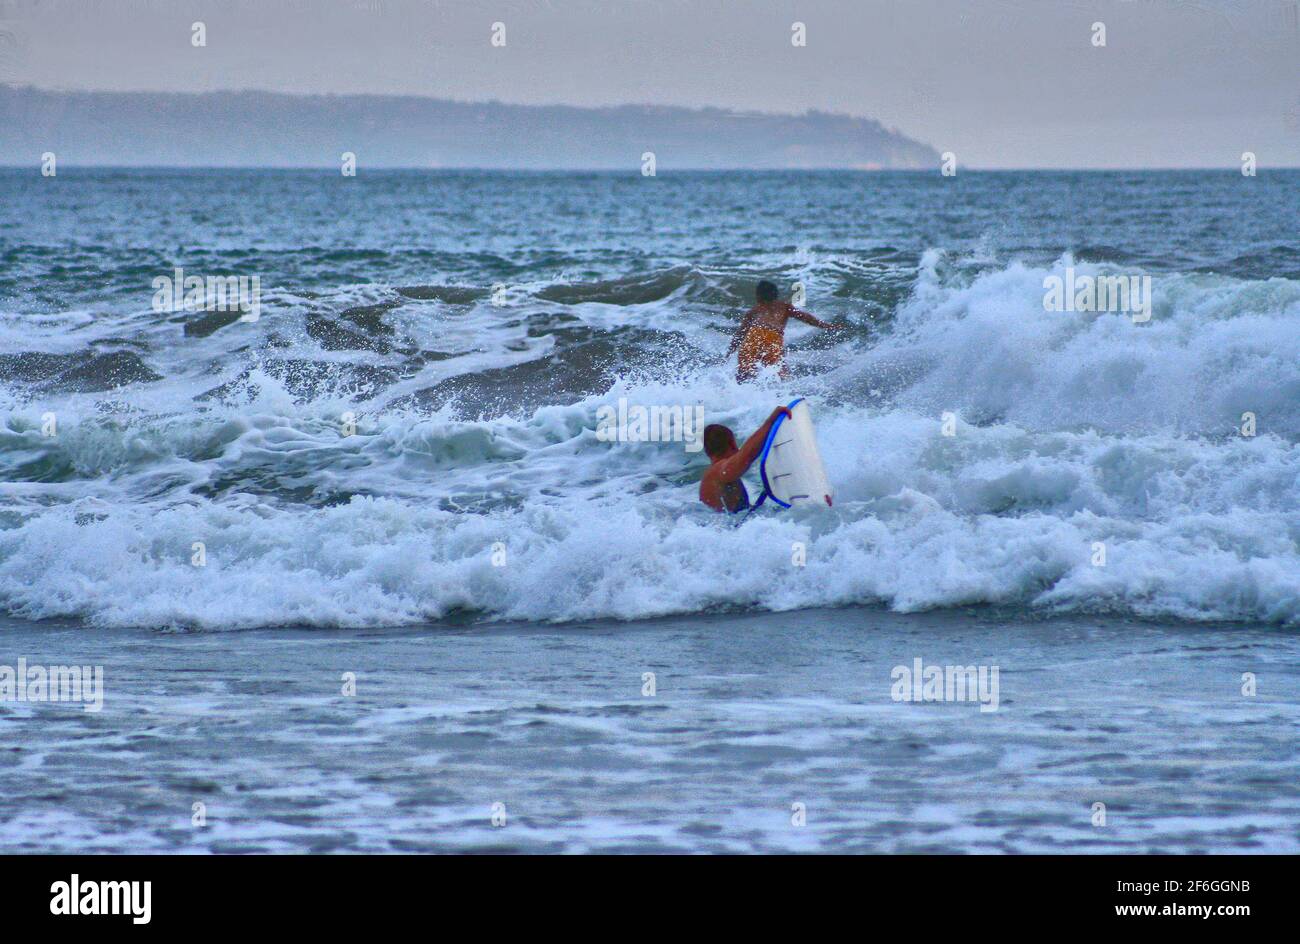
pixel 762 459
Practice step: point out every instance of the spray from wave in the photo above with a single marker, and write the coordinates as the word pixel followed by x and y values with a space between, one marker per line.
pixel 349 462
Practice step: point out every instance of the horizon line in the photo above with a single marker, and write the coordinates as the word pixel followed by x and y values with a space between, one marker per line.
pixel 482 168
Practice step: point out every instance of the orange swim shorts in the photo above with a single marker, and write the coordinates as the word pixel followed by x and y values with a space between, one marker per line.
pixel 760 347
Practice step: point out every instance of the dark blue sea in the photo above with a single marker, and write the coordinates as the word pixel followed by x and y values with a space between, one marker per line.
pixel 391 466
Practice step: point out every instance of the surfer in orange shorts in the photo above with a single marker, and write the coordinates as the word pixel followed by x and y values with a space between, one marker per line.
pixel 761 335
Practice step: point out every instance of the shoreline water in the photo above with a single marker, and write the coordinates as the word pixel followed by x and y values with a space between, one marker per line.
pixel 751 715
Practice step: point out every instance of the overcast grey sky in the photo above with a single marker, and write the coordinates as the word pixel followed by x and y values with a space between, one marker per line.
pixel 1002 83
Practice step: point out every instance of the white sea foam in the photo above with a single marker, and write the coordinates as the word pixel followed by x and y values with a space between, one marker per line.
pixel 1071 429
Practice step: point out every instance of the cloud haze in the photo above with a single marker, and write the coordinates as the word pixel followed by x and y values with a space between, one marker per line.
pixel 1002 83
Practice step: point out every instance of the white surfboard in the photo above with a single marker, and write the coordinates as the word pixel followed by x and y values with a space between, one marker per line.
pixel 791 468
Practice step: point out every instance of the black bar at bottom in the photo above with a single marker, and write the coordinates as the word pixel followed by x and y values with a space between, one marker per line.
pixel 335 894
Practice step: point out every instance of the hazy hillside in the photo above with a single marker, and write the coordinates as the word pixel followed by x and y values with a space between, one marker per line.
pixel 270 129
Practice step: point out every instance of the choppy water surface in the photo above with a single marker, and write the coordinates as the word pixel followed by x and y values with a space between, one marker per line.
pixel 399 460
pixel 751 715
pixel 475 324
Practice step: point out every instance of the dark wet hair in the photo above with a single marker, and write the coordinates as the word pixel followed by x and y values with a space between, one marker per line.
pixel 718 439
pixel 766 291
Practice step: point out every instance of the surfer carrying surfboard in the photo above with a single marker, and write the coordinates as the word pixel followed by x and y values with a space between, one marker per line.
pixel 761 335
pixel 721 488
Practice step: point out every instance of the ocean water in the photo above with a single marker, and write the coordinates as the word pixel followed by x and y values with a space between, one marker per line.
pixel 474 324
pixel 397 467
pixel 547 727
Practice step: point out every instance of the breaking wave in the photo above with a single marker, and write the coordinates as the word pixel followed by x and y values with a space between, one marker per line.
pixel 351 461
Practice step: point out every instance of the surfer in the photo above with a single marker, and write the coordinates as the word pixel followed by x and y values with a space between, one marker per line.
pixel 721 488
pixel 761 335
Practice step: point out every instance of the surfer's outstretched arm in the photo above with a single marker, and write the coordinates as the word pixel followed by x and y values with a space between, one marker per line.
pixel 734 467
pixel 813 320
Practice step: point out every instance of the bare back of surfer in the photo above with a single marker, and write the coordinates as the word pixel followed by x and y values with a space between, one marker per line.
pixel 761 335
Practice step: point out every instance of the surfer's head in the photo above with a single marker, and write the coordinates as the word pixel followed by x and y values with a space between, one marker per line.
pixel 766 292
pixel 719 441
